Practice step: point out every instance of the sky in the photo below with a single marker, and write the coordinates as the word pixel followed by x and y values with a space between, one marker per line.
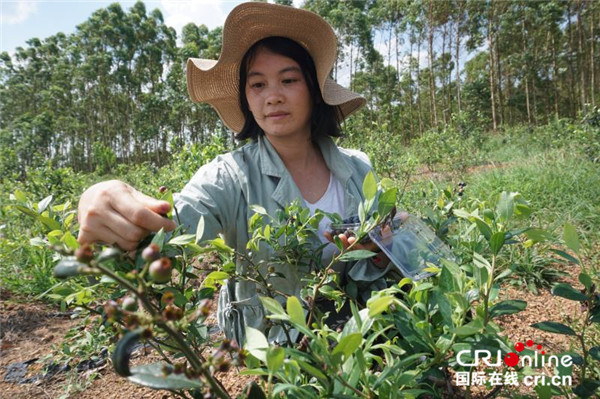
pixel 22 20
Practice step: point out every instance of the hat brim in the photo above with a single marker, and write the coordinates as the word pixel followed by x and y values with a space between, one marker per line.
pixel 217 82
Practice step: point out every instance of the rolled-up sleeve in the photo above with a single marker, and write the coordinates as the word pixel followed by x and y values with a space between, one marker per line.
pixel 211 194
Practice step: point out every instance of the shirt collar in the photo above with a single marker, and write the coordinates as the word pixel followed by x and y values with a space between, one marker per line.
pixel 272 165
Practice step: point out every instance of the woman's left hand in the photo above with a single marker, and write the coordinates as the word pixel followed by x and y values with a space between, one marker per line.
pixel 380 260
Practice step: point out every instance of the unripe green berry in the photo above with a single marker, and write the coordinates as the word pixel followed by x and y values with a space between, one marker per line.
pixel 129 304
pixel 160 270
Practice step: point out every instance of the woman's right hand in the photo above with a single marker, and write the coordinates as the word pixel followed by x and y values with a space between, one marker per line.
pixel 113 212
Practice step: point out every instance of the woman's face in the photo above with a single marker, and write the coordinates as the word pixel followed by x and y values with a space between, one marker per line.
pixel 278 96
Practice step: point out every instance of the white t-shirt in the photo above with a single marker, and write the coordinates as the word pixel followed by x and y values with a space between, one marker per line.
pixel 333 202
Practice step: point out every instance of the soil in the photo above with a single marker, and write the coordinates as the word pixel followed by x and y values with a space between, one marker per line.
pixel 33 330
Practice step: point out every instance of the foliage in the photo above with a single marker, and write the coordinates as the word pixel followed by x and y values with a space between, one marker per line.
pixel 118 83
pixel 589 370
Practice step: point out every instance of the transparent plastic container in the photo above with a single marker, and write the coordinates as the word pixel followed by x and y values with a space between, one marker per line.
pixel 411 245
pixel 407 241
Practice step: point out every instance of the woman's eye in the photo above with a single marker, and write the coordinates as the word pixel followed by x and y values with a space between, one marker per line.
pixel 256 85
pixel 288 81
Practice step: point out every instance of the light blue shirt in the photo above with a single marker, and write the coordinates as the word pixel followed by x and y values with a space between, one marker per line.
pixel 222 191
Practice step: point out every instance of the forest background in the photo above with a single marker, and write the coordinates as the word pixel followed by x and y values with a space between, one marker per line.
pixel 114 91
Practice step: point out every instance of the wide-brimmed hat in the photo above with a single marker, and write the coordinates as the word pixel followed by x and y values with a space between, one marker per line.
pixel 216 82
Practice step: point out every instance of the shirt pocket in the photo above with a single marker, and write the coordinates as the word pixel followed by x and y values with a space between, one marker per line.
pixel 234 315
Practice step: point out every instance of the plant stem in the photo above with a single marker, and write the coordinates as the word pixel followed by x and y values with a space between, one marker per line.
pixel 194 359
pixel 356 391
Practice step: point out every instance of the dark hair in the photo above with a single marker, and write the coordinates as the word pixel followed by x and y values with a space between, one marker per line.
pixel 325 119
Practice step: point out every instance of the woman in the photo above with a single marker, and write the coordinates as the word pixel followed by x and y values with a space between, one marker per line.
pixel 269 85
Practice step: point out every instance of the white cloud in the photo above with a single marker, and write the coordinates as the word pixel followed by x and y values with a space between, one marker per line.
pixel 15 12
pixel 208 12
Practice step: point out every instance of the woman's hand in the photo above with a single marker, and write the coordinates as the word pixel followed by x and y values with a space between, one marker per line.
pixel 113 212
pixel 380 260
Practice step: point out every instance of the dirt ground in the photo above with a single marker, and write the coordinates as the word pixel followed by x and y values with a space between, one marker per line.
pixel 31 330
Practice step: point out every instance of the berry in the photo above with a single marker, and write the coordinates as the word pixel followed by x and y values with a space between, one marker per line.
pixel 160 270
pixel 84 253
pixel 173 312
pixel 162 189
pixel 151 252
pixel 129 304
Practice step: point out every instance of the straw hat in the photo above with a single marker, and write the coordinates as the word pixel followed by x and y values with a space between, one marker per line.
pixel 217 82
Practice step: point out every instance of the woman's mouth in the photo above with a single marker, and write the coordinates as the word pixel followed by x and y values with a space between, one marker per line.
pixel 277 115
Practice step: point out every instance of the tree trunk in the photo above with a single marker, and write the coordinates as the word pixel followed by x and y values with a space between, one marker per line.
pixel 499 83
pixel 458 60
pixel 491 67
pixel 592 66
pixel 432 99
pixel 580 56
pixel 555 78
pixel 525 73
pixel 572 85
pixel 420 108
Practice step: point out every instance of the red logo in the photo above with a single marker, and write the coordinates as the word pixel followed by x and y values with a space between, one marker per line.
pixel 512 359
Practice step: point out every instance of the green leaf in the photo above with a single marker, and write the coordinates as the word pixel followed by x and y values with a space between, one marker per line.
pixel 68 267
pixel 506 206
pixel 444 307
pixel 587 388
pixel 484 228
pixel 183 239
pixel 153 376
pixel 571 238
pixel 48 222
pixel 481 262
pixel 272 306
pixel 565 255
pixel 275 357
pixel 26 210
pixel 470 328
pixel 379 305
pixel 543 391
pixel 215 277
pixel 109 253
pixel 348 344
pixel 369 186
pixel 566 291
pixel 43 204
pixel 315 372
pixel 254 391
pixel 256 343
pixel 496 242
pixel 20 196
pixel 159 239
pixel 387 201
pixel 70 241
pixel 219 245
pixel 356 254
pixel 259 209
pixel 595 352
pixel 295 310
pixel 554 327
pixel 539 235
pixel 200 229
pixel 507 307
pixel 122 353
pixel 586 280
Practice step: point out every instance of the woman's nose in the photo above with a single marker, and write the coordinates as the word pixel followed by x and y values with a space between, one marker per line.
pixel 274 96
